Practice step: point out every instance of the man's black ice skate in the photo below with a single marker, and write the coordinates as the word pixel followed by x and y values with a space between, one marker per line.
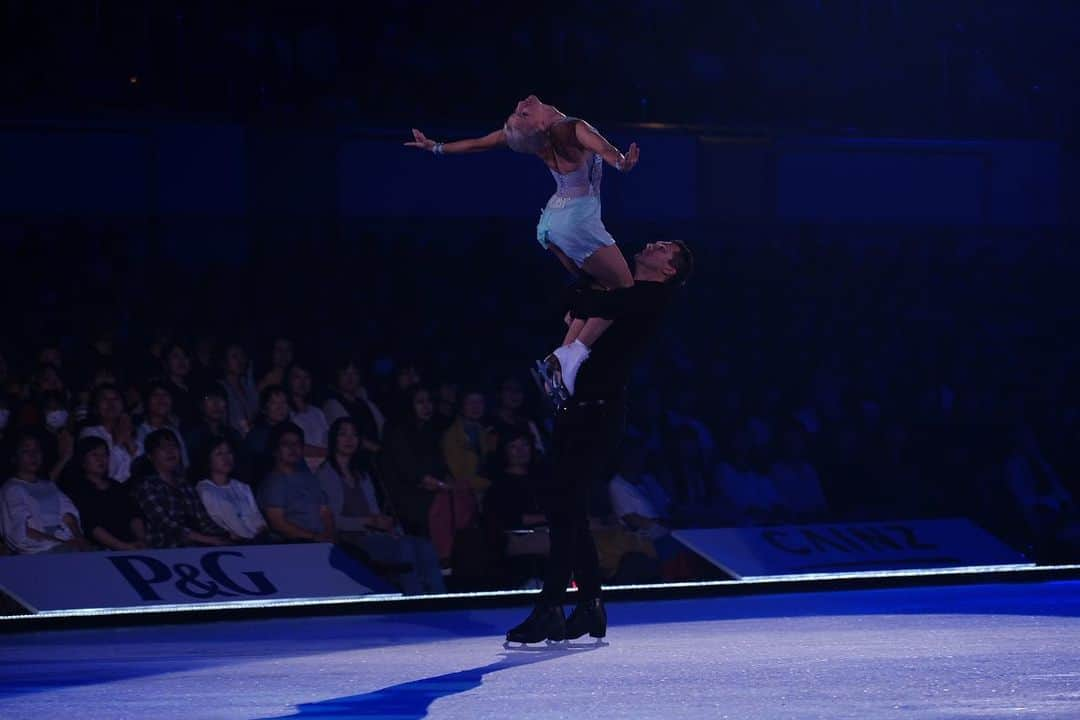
pixel 588 617
pixel 544 623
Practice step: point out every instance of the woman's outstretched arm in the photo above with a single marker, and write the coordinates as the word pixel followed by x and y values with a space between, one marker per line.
pixel 591 139
pixel 488 142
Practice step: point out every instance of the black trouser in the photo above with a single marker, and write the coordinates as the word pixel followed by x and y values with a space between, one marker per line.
pixel 584 448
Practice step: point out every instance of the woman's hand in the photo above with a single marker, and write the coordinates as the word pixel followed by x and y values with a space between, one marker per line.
pixel 627 162
pixel 421 141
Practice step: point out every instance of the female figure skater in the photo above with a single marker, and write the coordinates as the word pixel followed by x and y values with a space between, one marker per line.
pixel 570 225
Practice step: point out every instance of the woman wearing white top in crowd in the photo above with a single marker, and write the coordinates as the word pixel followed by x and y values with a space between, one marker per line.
pixel 229 502
pixel 114 426
pixel 35 517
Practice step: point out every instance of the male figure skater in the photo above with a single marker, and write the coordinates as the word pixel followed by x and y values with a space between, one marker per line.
pixel 588 428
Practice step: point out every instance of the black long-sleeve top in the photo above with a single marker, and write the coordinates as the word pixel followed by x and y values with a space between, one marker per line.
pixel 411 451
pixel 637 312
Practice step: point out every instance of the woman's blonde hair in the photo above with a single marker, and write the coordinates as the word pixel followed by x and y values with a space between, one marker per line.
pixel 525 142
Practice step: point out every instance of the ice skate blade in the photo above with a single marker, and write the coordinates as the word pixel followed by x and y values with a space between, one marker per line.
pixel 554 646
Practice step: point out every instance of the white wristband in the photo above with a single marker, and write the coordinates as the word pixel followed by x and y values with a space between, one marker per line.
pixel 437 148
pixel 619 162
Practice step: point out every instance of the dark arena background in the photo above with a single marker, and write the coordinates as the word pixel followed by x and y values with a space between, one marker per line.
pixel 271 440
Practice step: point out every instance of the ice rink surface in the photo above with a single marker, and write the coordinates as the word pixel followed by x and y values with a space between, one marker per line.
pixel 975 651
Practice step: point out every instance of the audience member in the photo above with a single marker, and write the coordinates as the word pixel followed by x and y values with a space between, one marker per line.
pixel 745 487
pixel 1047 508
pixel 795 480
pixel 110 517
pixel 348 398
pixel 203 368
pixel 509 416
pixel 281 357
pixel 513 509
pixel 158 406
pixel 467 444
pixel 213 427
pixel 308 417
pixel 446 405
pixel 170 505
pixel 35 516
pixel 110 423
pixel 415 471
pixel 229 502
pixel 360 519
pixel 274 404
pixel 177 367
pixel 291 497
pixel 239 387
pixel 57 438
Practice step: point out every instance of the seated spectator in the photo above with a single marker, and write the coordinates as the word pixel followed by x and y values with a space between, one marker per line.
pixel 307 417
pixel 516 522
pixel 58 442
pixel 230 503
pixel 360 520
pixel 446 405
pixel 239 388
pixel 468 442
pixel 1048 509
pixel 177 367
pixel 5 416
pixel 291 497
pixel 35 516
pixel 692 476
pixel 348 398
pixel 281 357
pixel 170 505
pixel 640 505
pixel 109 515
pixel 745 487
pixel 638 499
pixel 110 423
pixel 274 404
pixel 84 402
pixel 415 474
pixel 509 416
pixel 204 370
pixel 213 427
pixel 796 481
pixel 46 379
pixel 158 405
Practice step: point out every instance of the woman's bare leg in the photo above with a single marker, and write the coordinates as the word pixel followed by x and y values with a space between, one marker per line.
pixel 609 268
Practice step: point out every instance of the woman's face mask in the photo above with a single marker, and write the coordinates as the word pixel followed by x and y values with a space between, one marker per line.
pixel 56 419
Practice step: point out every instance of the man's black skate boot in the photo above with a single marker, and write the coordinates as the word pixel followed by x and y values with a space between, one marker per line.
pixel 588 617
pixel 544 623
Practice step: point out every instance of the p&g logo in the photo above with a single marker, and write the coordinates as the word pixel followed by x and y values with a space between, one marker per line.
pixel 203 582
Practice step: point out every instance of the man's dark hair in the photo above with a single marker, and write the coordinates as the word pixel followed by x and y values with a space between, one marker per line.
pixel 683 262
pixel 156 384
pixel 281 430
pixel 154 440
pixel 213 389
pixel 270 391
